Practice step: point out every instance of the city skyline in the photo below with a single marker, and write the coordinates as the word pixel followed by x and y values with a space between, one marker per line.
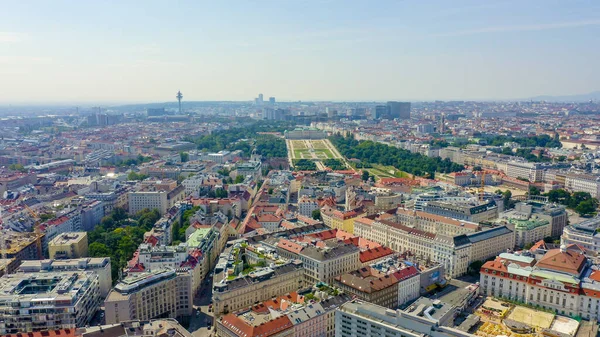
pixel 310 51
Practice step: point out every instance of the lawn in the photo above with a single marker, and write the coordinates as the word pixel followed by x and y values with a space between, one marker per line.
pixel 298 154
pixel 386 170
pixel 298 144
pixel 318 144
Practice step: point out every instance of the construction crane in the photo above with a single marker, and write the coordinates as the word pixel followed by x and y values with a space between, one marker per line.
pixel 481 189
pixel 36 218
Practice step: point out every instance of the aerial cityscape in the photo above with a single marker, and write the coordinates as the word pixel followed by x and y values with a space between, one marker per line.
pixel 238 187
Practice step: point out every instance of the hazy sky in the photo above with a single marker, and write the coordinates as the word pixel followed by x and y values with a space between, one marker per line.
pixel 140 51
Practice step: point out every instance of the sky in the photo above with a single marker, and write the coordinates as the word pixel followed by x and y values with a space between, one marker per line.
pixel 145 51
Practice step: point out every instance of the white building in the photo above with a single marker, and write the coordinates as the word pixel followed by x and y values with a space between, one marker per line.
pixel 161 200
pixel 363 319
pixel 146 295
pixel 584 234
pixel 67 300
pixel 583 183
pixel 562 280
pixel 99 265
pixel 307 205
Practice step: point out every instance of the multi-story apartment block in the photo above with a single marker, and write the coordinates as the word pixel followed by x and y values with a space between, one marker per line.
pixel 341 220
pixel 70 245
pixel 370 285
pixel 585 234
pixel 54 227
pixel 454 252
pixel 47 300
pixel 555 215
pixel 322 264
pixel 98 265
pixel 528 231
pixel 259 285
pixel 251 168
pixel 150 258
pixel 534 172
pixel 287 315
pixel 91 214
pixel 306 205
pixel 434 223
pixel 151 199
pixel 562 280
pixel 22 246
pixel 583 183
pixel 472 211
pixel 143 296
pixel 362 319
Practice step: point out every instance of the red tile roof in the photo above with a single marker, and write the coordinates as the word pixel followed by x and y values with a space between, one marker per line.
pixel 567 261
pixel 374 254
pixel 47 333
pixel 241 328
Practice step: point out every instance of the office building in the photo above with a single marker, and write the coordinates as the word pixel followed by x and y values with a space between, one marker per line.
pixel 70 245
pixel 47 301
pixel 400 110
pixel 161 293
pixel 99 265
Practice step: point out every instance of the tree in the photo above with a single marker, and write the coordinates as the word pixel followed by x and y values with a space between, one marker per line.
pixel 477 168
pixel 135 176
pixel 97 249
pixel 316 214
pixel 17 167
pixel 238 179
pixel 365 175
pixel 506 196
pixel 184 156
pixel 534 190
pixel 220 193
pixel 587 207
pixel 475 267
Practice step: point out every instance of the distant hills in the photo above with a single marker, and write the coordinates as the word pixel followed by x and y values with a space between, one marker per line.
pixel 569 98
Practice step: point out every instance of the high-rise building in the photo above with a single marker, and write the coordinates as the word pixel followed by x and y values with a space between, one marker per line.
pixel 272 100
pixel 380 111
pixel 400 110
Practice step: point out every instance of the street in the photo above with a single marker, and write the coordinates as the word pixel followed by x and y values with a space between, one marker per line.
pixel 202 319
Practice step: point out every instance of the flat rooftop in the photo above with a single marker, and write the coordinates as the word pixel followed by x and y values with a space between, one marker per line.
pixel 44 287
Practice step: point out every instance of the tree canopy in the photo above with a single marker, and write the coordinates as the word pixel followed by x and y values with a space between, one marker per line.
pixel 401 159
pixel 118 236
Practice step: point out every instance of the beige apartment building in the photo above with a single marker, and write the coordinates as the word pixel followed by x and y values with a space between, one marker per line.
pixel 257 286
pixel 70 245
pixel 161 293
pixel 160 195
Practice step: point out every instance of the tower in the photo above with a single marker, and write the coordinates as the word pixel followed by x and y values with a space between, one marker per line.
pixel 179 97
